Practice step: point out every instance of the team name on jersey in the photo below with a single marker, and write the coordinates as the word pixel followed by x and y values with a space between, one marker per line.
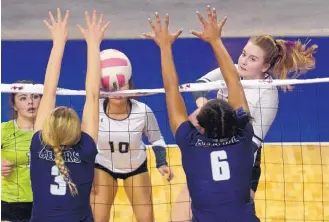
pixel 69 156
pixel 216 142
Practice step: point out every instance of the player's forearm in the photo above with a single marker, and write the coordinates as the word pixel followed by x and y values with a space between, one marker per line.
pixel 93 70
pixel 175 103
pixel 53 69
pixel 236 96
pixel 169 74
pixel 160 156
pixel 227 67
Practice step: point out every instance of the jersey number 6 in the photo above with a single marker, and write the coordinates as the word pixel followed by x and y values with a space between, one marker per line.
pixel 123 147
pixel 219 166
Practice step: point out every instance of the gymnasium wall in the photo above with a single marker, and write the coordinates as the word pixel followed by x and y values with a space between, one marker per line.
pixel 302 117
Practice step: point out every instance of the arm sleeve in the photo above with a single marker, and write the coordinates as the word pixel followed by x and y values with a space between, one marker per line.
pixel 264 114
pixel 211 76
pixel 153 133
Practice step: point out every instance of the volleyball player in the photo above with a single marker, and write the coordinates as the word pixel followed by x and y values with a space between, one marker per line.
pixel 16 135
pixel 263 57
pixel 122 155
pixel 63 151
pixel 217 160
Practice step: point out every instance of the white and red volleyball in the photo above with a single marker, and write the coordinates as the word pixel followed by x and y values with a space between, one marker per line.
pixel 116 69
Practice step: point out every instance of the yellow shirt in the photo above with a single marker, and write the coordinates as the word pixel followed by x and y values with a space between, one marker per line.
pixel 15 147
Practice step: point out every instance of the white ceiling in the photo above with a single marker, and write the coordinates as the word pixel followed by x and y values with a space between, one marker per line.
pixel 23 19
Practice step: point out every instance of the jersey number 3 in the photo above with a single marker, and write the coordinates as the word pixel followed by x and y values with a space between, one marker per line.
pixel 219 166
pixel 59 188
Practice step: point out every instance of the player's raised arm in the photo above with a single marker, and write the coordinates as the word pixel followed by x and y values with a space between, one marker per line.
pixel 94 35
pixel 164 39
pixel 59 34
pixel 211 34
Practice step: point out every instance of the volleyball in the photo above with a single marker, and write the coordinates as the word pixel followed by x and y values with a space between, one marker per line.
pixel 116 69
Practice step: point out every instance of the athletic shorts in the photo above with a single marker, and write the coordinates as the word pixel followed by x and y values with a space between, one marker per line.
pixel 141 169
pixel 256 170
pixel 16 211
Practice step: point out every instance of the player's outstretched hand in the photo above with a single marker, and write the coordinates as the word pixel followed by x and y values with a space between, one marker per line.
pixel 161 35
pixel 6 167
pixel 212 30
pixel 59 27
pixel 166 170
pixel 94 33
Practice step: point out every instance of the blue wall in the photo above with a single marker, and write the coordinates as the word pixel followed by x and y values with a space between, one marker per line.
pixel 303 114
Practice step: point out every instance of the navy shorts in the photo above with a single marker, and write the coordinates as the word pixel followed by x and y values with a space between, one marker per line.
pixel 256 170
pixel 16 211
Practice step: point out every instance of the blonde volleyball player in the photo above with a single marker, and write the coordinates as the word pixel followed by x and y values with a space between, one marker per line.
pixel 63 149
pixel 263 57
pixel 16 135
pixel 122 153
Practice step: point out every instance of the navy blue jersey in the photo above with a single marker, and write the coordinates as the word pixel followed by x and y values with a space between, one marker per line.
pixel 52 200
pixel 218 173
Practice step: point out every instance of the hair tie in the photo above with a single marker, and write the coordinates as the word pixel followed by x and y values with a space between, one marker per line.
pixel 289 44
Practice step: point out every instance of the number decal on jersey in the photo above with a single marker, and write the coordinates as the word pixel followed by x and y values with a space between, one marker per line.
pixel 219 166
pixel 123 147
pixel 59 188
pixel 28 154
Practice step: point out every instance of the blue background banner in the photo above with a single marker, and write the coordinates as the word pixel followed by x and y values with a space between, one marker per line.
pixel 302 117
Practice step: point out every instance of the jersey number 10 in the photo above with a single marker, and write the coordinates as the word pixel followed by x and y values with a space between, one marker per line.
pixel 219 166
pixel 123 147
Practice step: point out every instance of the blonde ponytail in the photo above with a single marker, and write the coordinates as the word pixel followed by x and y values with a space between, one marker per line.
pixel 287 59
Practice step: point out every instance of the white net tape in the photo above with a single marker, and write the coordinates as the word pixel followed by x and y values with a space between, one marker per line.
pixel 188 87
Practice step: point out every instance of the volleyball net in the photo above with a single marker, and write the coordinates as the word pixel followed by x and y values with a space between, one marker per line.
pixel 294 184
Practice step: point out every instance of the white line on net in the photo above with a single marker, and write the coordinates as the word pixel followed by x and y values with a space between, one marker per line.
pixel 187 87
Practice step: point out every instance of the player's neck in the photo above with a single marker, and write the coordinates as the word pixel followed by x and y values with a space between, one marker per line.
pixel 25 123
pixel 118 109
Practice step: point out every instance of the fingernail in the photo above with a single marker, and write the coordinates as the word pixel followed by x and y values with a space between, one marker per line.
pixel 197 12
pixel 213 9
pixel 167 14
pixel 182 29
pixel 208 6
pixel 156 13
pixel 149 19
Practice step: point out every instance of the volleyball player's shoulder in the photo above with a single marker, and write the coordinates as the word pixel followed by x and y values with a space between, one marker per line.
pixel 6 130
pixel 7 125
pixel 141 107
pixel 89 147
pixel 270 95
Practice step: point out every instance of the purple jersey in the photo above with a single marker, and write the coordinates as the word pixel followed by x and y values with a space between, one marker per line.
pixel 218 173
pixel 52 200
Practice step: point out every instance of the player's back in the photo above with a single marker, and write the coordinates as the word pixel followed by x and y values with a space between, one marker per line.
pixel 218 174
pixel 52 200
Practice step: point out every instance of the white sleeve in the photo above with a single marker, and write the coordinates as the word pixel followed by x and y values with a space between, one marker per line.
pixel 213 75
pixel 264 114
pixel 152 130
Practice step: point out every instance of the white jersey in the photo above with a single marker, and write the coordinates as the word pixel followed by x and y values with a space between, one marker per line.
pixel 120 145
pixel 262 101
